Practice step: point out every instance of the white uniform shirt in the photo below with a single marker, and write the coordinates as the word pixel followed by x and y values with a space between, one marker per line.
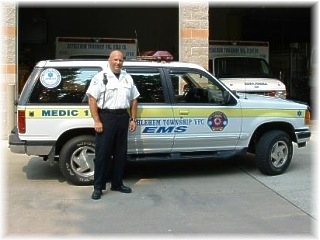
pixel 117 93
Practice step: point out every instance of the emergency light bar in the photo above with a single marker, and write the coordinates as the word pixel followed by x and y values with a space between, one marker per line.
pixel 156 56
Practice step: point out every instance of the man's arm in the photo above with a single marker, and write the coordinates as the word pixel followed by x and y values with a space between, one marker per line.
pixel 133 115
pixel 93 106
pixel 133 108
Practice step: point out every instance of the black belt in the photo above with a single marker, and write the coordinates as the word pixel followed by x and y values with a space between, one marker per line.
pixel 113 111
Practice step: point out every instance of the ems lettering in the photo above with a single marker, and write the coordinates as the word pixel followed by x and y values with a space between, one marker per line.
pixel 170 129
pixel 165 129
pixel 149 130
pixel 60 113
pixel 181 129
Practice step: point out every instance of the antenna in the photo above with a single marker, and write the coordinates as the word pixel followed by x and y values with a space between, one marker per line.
pixel 138 51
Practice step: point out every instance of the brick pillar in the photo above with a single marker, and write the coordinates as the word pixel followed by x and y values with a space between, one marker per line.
pixel 194 32
pixel 8 66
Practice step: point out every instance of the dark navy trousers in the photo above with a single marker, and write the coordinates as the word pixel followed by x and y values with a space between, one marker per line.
pixel 111 149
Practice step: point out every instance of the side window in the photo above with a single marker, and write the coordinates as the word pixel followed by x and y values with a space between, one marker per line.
pixel 70 89
pixel 149 85
pixel 193 87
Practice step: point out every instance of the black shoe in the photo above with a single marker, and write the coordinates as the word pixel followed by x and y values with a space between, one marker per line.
pixel 96 194
pixel 122 189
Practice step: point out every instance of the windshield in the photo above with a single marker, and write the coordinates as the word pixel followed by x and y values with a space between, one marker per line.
pixel 233 67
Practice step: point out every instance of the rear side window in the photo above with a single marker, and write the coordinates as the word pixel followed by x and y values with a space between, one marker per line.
pixel 63 85
pixel 149 84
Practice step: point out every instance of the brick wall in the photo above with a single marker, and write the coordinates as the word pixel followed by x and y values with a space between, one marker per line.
pixel 8 66
pixel 194 32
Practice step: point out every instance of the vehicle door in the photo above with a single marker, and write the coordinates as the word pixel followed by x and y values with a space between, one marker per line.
pixel 154 108
pixel 205 119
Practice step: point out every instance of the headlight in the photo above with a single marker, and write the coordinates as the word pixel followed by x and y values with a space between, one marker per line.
pixel 281 94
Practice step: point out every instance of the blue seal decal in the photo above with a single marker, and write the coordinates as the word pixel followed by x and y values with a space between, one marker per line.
pixel 217 121
pixel 50 78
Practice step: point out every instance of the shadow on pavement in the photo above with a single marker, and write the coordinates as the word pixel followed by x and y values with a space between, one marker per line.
pixel 37 169
pixel 185 168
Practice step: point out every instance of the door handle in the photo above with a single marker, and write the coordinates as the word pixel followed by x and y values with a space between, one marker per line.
pixel 184 112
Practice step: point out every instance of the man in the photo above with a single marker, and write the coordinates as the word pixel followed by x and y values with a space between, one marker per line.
pixel 110 94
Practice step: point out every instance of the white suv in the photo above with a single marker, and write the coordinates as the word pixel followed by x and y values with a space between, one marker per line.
pixel 184 112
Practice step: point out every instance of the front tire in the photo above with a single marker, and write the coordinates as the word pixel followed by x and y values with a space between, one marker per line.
pixel 76 160
pixel 274 152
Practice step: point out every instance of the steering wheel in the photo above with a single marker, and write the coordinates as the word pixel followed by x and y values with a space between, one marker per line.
pixel 187 91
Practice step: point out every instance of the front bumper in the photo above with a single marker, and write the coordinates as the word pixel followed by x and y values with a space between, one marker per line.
pixel 302 136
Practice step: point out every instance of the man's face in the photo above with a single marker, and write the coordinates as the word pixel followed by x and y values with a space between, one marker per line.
pixel 116 61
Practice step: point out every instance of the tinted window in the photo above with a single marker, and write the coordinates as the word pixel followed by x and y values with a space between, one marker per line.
pixel 149 85
pixel 193 87
pixel 71 89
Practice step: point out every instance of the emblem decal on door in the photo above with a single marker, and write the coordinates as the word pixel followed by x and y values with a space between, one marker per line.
pixel 217 121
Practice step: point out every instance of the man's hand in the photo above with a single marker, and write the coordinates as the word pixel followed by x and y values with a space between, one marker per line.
pixel 98 126
pixel 132 126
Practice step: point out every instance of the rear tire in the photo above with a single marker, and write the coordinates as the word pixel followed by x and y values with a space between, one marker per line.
pixel 274 152
pixel 76 160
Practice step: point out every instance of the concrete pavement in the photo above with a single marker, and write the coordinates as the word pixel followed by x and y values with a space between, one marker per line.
pixel 213 199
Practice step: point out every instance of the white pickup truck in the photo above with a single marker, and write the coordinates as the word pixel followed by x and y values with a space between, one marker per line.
pixel 243 67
